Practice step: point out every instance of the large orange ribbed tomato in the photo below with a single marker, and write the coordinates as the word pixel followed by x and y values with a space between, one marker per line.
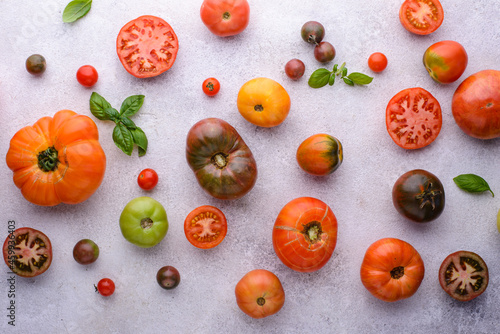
pixel 392 269
pixel 58 159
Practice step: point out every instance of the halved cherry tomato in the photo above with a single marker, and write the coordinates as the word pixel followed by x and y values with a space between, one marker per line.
pixel 211 86
pixel 147 46
pixel 225 17
pixel 421 17
pixel 413 118
pixel 205 227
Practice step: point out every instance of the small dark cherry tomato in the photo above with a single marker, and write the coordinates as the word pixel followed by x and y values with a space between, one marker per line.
pixel 324 52
pixel 106 287
pixel 87 76
pixel 36 64
pixel 168 277
pixel 377 62
pixel 147 179
pixel 211 86
pixel 85 251
pixel 312 32
pixel 295 69
pixel 419 196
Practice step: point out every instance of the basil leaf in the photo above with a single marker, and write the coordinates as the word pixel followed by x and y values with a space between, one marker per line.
pixel 98 105
pixel 128 122
pixel 348 81
pixel 332 80
pixel 360 78
pixel 472 183
pixel 141 140
pixel 131 105
pixel 76 9
pixel 123 138
pixel 319 78
pixel 112 114
pixel 344 71
pixel 335 68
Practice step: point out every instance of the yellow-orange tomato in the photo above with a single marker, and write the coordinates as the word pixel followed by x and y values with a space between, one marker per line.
pixel 263 102
pixel 58 159
pixel 259 293
pixel 320 154
pixel 392 269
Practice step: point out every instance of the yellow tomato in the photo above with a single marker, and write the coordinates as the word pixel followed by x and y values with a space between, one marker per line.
pixel 263 102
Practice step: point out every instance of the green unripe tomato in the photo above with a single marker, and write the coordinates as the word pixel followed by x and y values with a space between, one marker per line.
pixel 143 222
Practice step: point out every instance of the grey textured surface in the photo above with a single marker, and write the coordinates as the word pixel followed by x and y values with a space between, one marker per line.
pixel 331 300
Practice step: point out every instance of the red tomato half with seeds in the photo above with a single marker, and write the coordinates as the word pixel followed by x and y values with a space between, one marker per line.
pixel 421 17
pixel 225 17
pixel 305 234
pixel 205 227
pixel 147 46
pixel 413 118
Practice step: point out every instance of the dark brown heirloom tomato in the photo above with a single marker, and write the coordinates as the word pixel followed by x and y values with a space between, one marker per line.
pixel 463 275
pixel 419 196
pixel 221 161
pixel 27 252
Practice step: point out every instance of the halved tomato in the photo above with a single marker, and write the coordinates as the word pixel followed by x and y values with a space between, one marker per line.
pixel 421 17
pixel 147 46
pixel 413 118
pixel 205 227
pixel 27 252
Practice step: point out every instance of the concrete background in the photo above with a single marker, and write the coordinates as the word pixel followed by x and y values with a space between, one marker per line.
pixel 331 300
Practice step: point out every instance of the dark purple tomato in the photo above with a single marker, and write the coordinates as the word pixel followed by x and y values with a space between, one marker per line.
pixel 295 69
pixel 419 196
pixel 168 277
pixel 85 251
pixel 324 52
pixel 36 64
pixel 312 32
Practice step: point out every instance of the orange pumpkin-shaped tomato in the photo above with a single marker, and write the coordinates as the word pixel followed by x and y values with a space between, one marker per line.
pixel 58 159
pixel 263 102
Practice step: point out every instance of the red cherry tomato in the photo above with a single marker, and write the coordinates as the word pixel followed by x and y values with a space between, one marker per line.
pixel 377 62
pixel 147 179
pixel 106 287
pixel 87 76
pixel 211 86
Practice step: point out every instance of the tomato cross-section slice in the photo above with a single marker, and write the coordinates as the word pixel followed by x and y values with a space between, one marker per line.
pixel 421 17
pixel 147 46
pixel 413 118
pixel 205 227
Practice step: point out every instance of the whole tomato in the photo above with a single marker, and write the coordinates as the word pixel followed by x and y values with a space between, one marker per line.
pixel 223 164
pixel 58 159
pixel 225 17
pixel 320 154
pixel 392 269
pixel 260 294
pixel 305 234
pixel 445 61
pixel 263 102
pixel 476 105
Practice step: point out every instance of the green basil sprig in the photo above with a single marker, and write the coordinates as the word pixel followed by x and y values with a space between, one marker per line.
pixel 76 9
pixel 472 183
pixel 125 133
pixel 321 77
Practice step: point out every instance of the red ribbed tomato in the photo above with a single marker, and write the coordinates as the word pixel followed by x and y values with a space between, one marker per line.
pixel 58 159
pixel 305 234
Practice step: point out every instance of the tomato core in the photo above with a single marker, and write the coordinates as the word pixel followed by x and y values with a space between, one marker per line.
pixel 258 108
pixel 261 301
pixel 146 223
pixel 219 160
pixel 48 159
pixel 398 272
pixel 226 16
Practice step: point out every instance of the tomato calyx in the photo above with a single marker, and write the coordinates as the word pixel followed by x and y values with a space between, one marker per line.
pixel 397 272
pixel 226 16
pixel 261 301
pixel 428 196
pixel 48 159
pixel 220 160
pixel 146 223
pixel 312 232
pixel 258 108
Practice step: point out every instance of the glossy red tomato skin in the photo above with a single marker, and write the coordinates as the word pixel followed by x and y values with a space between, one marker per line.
pixel 476 105
pixel 392 269
pixel 87 76
pixel 320 154
pixel 421 17
pixel 260 294
pixel 413 118
pixel 222 162
pixel 445 61
pixel 106 287
pixel 147 179
pixel 225 17
pixel 305 234
pixel 147 46
pixel 211 86
pixel 377 62
pixel 205 227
